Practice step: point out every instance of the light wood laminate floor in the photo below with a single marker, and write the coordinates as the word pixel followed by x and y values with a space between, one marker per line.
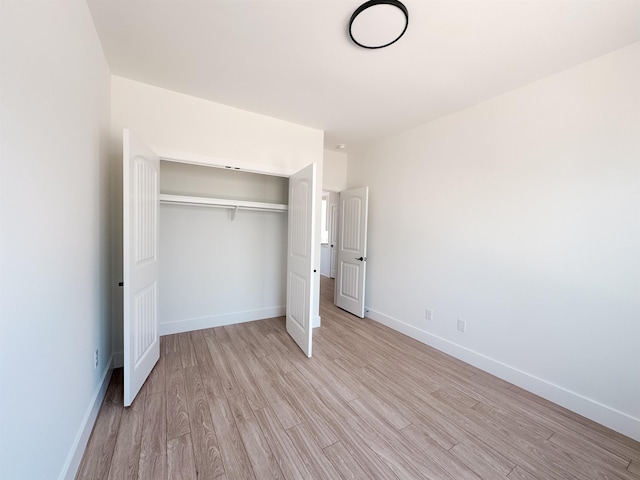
pixel 243 402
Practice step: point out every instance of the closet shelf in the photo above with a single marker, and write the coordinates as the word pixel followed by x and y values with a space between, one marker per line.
pixel 222 203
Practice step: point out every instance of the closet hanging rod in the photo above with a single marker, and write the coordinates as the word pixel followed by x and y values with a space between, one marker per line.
pixel 221 203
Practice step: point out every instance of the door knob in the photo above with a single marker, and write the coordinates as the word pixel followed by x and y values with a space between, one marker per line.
pixel 362 259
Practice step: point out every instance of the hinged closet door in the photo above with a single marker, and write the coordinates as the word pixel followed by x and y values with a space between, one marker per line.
pixel 300 256
pixel 140 254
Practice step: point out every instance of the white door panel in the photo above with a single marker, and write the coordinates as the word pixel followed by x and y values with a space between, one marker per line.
pixel 334 240
pixel 352 250
pixel 300 257
pixel 140 255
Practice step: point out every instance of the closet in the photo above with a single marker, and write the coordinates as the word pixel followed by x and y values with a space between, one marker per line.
pixel 203 246
pixel 223 246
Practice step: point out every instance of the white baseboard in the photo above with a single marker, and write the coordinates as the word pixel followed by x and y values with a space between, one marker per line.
pixel 317 320
pixel 602 414
pixel 199 323
pixel 74 458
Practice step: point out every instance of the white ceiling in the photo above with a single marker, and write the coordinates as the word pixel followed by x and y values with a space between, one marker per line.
pixel 293 59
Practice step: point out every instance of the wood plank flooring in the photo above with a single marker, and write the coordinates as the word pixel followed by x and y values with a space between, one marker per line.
pixel 243 402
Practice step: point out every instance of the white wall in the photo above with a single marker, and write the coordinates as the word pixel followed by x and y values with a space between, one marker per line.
pixel 216 272
pixel 334 175
pixel 54 284
pixel 520 216
pixel 201 181
pixel 170 121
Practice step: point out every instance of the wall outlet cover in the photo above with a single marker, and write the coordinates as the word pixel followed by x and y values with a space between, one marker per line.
pixel 462 325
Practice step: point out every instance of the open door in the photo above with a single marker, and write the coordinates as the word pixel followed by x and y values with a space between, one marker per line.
pixel 333 241
pixel 300 256
pixel 140 254
pixel 352 250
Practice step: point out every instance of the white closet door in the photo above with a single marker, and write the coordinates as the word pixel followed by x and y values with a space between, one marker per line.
pixel 300 256
pixel 140 254
pixel 352 250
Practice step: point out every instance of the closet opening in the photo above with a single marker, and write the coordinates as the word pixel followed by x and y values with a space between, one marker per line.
pixel 205 246
pixel 222 246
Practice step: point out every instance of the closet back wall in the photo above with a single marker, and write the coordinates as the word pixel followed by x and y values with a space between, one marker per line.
pixel 214 271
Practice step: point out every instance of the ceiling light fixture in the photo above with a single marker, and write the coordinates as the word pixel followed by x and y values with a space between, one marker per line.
pixel 378 23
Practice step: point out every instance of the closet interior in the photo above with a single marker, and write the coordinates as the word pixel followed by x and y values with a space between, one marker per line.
pixel 222 246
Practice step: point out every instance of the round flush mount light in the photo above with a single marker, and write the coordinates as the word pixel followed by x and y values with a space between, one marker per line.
pixel 378 23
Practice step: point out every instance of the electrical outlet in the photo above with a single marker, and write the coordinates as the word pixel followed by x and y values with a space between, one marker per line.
pixel 428 314
pixel 462 326
pixel 95 359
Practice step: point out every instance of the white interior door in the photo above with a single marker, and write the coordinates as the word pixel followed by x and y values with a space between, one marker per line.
pixel 300 256
pixel 140 255
pixel 352 250
pixel 333 241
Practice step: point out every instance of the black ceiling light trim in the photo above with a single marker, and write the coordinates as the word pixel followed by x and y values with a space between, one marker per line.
pixel 374 3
